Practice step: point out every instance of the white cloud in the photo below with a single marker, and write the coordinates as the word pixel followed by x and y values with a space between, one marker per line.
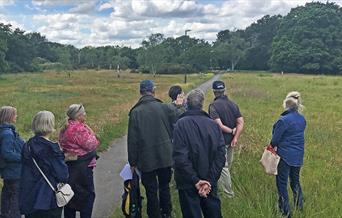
pixel 6 2
pixel 133 20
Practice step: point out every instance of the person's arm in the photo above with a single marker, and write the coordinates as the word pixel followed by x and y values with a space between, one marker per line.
pixel 86 139
pixel 215 116
pixel 219 159
pixel 238 131
pixel 181 157
pixel 58 164
pixel 278 131
pixel 132 141
pixel 8 151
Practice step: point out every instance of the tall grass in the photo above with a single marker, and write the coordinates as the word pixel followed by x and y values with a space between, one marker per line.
pixel 259 96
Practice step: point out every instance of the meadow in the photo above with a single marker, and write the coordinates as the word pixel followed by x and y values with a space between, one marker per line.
pixel 259 96
pixel 106 97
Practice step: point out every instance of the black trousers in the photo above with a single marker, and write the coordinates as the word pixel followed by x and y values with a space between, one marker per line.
pixel 88 201
pixel 10 199
pixel 193 205
pixel 157 180
pixel 53 213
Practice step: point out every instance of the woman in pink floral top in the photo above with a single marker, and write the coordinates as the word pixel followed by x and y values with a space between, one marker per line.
pixel 79 144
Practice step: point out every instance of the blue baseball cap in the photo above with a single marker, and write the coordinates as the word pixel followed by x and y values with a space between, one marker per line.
pixel 218 85
pixel 147 86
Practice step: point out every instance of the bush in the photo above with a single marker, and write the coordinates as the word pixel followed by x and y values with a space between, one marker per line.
pixel 168 68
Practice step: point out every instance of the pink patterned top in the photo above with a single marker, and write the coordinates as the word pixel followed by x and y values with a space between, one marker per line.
pixel 78 139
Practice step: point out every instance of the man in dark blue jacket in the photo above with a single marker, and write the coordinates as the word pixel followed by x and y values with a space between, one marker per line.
pixel 199 156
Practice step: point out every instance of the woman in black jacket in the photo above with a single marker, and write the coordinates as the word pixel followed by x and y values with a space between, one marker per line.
pixel 37 199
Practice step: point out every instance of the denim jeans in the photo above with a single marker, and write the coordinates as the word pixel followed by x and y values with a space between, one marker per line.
pixel 284 172
pixel 193 205
pixel 10 199
pixel 225 180
pixel 153 181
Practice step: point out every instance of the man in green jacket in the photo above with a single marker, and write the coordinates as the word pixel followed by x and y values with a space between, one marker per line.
pixel 150 148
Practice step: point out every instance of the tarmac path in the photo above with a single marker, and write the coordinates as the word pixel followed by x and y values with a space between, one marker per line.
pixel 108 183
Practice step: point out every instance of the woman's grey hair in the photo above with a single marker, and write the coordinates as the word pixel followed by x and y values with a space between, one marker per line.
pixel 75 110
pixel 195 99
pixel 7 114
pixel 293 101
pixel 43 123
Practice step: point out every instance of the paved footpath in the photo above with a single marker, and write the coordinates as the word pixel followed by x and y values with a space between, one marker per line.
pixel 108 183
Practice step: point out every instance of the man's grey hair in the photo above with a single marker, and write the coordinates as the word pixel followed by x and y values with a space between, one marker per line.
pixel 195 99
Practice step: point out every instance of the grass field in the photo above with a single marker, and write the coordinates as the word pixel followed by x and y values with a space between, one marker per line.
pixel 260 96
pixel 106 97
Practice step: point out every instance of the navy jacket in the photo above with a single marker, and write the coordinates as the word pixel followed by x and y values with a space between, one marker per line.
pixel 35 193
pixel 11 145
pixel 288 137
pixel 199 149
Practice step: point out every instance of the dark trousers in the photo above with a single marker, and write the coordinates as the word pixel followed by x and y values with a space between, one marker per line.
pixel 87 209
pixel 284 172
pixel 53 213
pixel 10 199
pixel 153 181
pixel 193 205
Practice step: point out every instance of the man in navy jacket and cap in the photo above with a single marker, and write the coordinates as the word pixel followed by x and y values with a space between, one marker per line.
pixel 199 156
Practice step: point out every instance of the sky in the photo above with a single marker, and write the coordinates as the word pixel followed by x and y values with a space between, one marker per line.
pixel 128 22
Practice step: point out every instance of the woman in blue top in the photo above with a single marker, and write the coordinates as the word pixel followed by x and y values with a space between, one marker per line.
pixel 288 137
pixel 37 199
pixel 10 153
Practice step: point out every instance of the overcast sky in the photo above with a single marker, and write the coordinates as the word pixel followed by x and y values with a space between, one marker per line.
pixel 128 22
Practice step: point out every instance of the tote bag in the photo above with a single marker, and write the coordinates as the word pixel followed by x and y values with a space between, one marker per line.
pixel 269 160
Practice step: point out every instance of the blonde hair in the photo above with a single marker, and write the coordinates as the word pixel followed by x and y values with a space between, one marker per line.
pixel 292 101
pixel 43 123
pixel 7 114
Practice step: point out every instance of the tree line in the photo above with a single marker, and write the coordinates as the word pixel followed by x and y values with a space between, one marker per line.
pixel 307 40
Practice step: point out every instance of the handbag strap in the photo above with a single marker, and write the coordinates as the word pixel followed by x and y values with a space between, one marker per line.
pixel 41 172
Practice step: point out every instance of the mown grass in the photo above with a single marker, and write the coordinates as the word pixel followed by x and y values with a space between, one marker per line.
pixel 259 96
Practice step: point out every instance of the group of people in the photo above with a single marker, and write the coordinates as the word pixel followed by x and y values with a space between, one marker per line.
pixel 183 137
pixel 178 137
pixel 199 147
pixel 70 160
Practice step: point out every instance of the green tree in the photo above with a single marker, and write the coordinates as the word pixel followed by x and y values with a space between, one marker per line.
pixel 309 39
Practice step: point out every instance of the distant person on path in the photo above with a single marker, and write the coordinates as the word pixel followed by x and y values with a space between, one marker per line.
pixel 227 115
pixel 199 156
pixel 37 199
pixel 150 148
pixel 10 162
pixel 79 144
pixel 288 138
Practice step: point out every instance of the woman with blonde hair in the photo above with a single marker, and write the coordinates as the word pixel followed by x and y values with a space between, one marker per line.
pixel 288 138
pixel 79 144
pixel 37 199
pixel 10 162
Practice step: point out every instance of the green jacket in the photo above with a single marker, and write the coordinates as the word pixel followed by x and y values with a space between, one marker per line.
pixel 149 134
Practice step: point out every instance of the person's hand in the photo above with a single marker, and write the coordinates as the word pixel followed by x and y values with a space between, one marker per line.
pixel 180 99
pixel 203 188
pixel 234 131
pixel 233 142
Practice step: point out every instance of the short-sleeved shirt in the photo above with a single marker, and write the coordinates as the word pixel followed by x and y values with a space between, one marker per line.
pixel 227 111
